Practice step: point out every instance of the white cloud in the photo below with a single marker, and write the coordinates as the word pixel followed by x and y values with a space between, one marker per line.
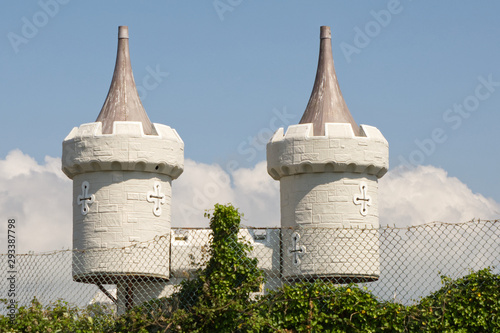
pixel 201 186
pixel 39 197
pixel 198 188
pixel 16 164
pixel 407 197
pixel 427 194
pixel 258 196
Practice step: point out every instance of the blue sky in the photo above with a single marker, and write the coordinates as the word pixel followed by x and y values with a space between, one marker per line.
pixel 226 73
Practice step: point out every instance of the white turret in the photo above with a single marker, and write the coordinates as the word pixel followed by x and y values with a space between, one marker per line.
pixel 122 168
pixel 328 169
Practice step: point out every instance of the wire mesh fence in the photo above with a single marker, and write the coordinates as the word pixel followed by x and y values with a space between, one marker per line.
pixel 395 264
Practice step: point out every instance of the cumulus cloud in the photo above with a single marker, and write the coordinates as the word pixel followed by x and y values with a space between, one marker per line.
pixel 407 197
pixel 427 194
pixel 39 197
pixel 201 186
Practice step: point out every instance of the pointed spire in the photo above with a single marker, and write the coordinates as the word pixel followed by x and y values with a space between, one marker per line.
pixel 123 102
pixel 326 104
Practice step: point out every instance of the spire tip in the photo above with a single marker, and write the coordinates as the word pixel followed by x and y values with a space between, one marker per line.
pixel 325 32
pixel 123 32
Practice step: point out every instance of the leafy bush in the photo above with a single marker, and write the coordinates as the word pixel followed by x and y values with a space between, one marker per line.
pixel 325 307
pixel 58 317
pixel 468 304
pixel 153 316
pixel 218 298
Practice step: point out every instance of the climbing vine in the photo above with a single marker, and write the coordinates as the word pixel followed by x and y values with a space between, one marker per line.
pixel 219 296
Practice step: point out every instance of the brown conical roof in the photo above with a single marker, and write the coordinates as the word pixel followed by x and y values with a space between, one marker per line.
pixel 123 102
pixel 326 104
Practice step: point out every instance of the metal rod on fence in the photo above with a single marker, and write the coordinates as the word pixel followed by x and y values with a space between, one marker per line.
pixel 101 288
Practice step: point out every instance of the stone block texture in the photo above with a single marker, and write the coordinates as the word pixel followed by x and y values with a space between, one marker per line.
pixel 121 199
pixel 299 151
pixel 86 149
pixel 329 201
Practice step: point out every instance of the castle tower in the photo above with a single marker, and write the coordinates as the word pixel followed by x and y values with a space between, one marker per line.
pixel 122 167
pixel 328 169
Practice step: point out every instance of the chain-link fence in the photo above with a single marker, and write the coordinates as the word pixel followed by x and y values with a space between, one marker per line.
pixel 395 264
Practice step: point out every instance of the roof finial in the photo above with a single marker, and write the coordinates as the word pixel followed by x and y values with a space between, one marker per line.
pixel 122 32
pixel 326 104
pixel 325 32
pixel 123 102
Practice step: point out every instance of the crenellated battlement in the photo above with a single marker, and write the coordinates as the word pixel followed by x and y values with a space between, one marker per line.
pixel 87 149
pixel 299 151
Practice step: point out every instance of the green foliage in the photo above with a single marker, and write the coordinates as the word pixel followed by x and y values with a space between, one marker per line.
pixel 58 317
pixel 325 307
pixel 468 304
pixel 218 298
pixel 153 316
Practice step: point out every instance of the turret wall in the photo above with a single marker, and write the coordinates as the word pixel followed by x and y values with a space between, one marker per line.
pixel 122 211
pixel 86 149
pixel 121 196
pixel 338 230
pixel 329 203
pixel 328 200
pixel 298 151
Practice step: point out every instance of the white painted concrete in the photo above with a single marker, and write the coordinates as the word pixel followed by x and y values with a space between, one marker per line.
pixel 328 186
pixel 121 197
